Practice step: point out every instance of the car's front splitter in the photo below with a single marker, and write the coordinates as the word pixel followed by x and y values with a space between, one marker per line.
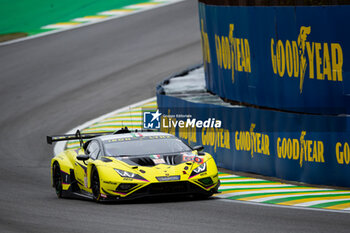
pixel 163 189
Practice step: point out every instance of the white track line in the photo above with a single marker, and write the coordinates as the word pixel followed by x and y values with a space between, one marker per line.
pixel 230 176
pixel 295 195
pixel 61 25
pixel 114 12
pixel 88 19
pixel 59 147
pixel 255 186
pixel 310 203
pixel 284 206
pixel 238 192
pixel 86 24
pixel 240 180
pixel 141 6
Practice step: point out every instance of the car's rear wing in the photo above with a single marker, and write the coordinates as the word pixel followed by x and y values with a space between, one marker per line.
pixel 80 136
pixel 67 137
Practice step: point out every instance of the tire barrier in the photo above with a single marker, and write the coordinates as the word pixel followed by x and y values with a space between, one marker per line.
pixel 294 58
pixel 306 148
pixel 285 71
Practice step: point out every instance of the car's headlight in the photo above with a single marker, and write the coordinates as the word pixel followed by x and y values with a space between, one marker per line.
pixel 126 174
pixel 198 170
pixel 201 168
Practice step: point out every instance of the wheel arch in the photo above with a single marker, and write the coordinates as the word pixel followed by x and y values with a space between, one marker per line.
pixel 102 172
pixel 90 168
pixel 64 162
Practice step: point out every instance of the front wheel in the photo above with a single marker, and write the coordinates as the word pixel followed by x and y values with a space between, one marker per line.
pixel 95 185
pixel 57 179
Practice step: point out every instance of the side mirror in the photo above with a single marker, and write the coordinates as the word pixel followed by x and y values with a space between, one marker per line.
pixel 82 157
pixel 198 148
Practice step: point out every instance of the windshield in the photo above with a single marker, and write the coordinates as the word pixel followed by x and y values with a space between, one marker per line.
pixel 146 147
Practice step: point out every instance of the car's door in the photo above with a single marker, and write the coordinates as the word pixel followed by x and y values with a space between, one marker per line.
pixel 80 167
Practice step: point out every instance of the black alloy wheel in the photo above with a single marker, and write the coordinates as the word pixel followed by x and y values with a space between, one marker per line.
pixel 57 179
pixel 95 185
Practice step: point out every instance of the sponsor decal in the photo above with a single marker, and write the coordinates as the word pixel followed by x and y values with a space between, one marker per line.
pixel 323 60
pixel 301 149
pixel 233 53
pixel 253 142
pixel 157 159
pixel 118 140
pixel 109 182
pixel 189 157
pixel 198 160
pixel 128 178
pixel 342 151
pixel 167 178
pixel 217 138
pixel 205 45
pixel 85 182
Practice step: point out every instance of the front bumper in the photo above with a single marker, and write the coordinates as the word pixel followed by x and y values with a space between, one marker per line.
pixel 164 189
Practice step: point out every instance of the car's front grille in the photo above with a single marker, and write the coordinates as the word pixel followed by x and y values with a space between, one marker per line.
pixel 168 187
pixel 178 187
pixel 173 159
pixel 148 161
pixel 143 161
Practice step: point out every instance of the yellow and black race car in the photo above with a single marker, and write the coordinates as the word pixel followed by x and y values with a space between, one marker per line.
pixel 128 165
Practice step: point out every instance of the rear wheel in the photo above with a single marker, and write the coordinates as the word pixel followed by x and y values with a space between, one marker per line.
pixel 57 179
pixel 95 185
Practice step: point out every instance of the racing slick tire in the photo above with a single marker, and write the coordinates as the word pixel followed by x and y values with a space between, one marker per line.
pixel 95 185
pixel 57 179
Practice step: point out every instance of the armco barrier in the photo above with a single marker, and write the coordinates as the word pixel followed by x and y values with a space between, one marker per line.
pixel 299 147
pixel 294 58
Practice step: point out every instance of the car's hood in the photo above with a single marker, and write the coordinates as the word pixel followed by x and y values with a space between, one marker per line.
pixel 161 167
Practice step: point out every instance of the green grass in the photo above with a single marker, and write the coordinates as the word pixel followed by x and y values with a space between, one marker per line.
pixel 28 16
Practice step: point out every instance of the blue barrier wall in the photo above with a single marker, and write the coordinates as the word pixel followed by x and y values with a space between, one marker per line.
pixel 294 58
pixel 306 148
